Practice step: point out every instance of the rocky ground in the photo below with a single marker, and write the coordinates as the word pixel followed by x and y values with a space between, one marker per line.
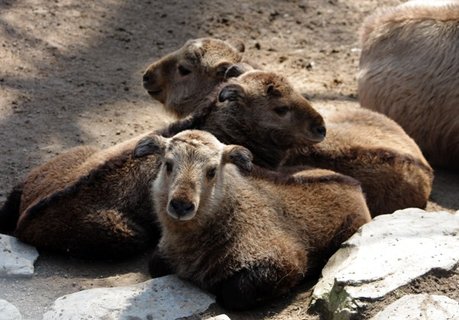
pixel 71 74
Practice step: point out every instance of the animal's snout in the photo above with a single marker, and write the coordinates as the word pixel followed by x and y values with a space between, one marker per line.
pixel 181 209
pixel 146 77
pixel 151 83
pixel 320 131
pixel 317 132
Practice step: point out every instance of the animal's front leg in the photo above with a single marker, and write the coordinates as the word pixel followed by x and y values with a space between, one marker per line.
pixel 158 266
pixel 250 287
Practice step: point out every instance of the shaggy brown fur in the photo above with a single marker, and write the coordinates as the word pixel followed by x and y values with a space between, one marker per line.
pixel 86 202
pixel 359 143
pixel 261 111
pixel 374 150
pixel 248 237
pixel 409 70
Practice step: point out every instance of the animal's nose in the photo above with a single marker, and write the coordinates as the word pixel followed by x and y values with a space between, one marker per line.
pixel 320 131
pixel 147 78
pixel 181 207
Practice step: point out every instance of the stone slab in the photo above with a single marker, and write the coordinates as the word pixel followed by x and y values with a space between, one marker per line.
pixel 9 311
pixel 16 258
pixel 161 298
pixel 384 255
pixel 420 307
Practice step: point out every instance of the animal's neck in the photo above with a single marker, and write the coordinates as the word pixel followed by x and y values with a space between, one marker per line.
pixel 230 128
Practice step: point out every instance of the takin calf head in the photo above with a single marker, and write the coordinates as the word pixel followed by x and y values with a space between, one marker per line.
pixel 181 77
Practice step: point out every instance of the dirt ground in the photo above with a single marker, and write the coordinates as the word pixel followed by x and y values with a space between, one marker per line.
pixel 71 74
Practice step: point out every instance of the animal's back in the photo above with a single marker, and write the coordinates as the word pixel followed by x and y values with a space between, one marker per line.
pixel 375 150
pixel 92 203
pixel 408 70
pixel 321 207
pixel 54 174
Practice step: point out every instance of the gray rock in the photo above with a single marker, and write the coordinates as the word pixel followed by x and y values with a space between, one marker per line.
pixel 420 307
pixel 220 317
pixel 8 311
pixel 161 298
pixel 16 258
pixel 385 254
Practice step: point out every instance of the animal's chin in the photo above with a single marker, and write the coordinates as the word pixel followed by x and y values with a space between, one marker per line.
pixel 313 140
pixel 282 142
pixel 156 94
pixel 184 218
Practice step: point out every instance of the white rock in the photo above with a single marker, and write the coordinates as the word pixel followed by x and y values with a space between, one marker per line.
pixel 220 317
pixel 420 307
pixel 16 258
pixel 161 298
pixel 8 311
pixel 385 254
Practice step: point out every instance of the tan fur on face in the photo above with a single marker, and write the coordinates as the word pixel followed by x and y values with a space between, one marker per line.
pixel 408 71
pixel 204 58
pixel 245 220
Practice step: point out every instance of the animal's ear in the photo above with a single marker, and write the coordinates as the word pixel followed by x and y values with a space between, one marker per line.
pixel 238 44
pixel 235 70
pixel 195 53
pixel 150 145
pixel 222 68
pixel 239 156
pixel 272 91
pixel 230 92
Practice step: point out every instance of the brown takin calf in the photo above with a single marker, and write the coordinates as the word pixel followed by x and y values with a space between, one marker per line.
pixel 176 79
pixel 409 70
pixel 258 110
pixel 245 233
pixel 86 202
pixel 360 143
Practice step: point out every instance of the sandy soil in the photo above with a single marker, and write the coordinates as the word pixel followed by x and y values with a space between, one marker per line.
pixel 71 74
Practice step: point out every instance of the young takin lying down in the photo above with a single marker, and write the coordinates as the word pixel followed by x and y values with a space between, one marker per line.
pixel 86 202
pixel 244 233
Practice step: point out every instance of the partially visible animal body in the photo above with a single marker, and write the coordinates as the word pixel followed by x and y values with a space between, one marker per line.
pixel 374 150
pixel 360 143
pixel 409 69
pixel 245 233
pixel 86 202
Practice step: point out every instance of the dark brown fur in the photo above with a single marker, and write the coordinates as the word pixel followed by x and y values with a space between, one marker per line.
pixel 9 213
pixel 88 203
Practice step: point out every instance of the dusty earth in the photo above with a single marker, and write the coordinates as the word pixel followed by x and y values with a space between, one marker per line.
pixel 71 74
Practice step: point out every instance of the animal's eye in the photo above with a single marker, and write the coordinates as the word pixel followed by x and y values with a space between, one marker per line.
pixel 211 173
pixel 183 71
pixel 281 111
pixel 169 167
